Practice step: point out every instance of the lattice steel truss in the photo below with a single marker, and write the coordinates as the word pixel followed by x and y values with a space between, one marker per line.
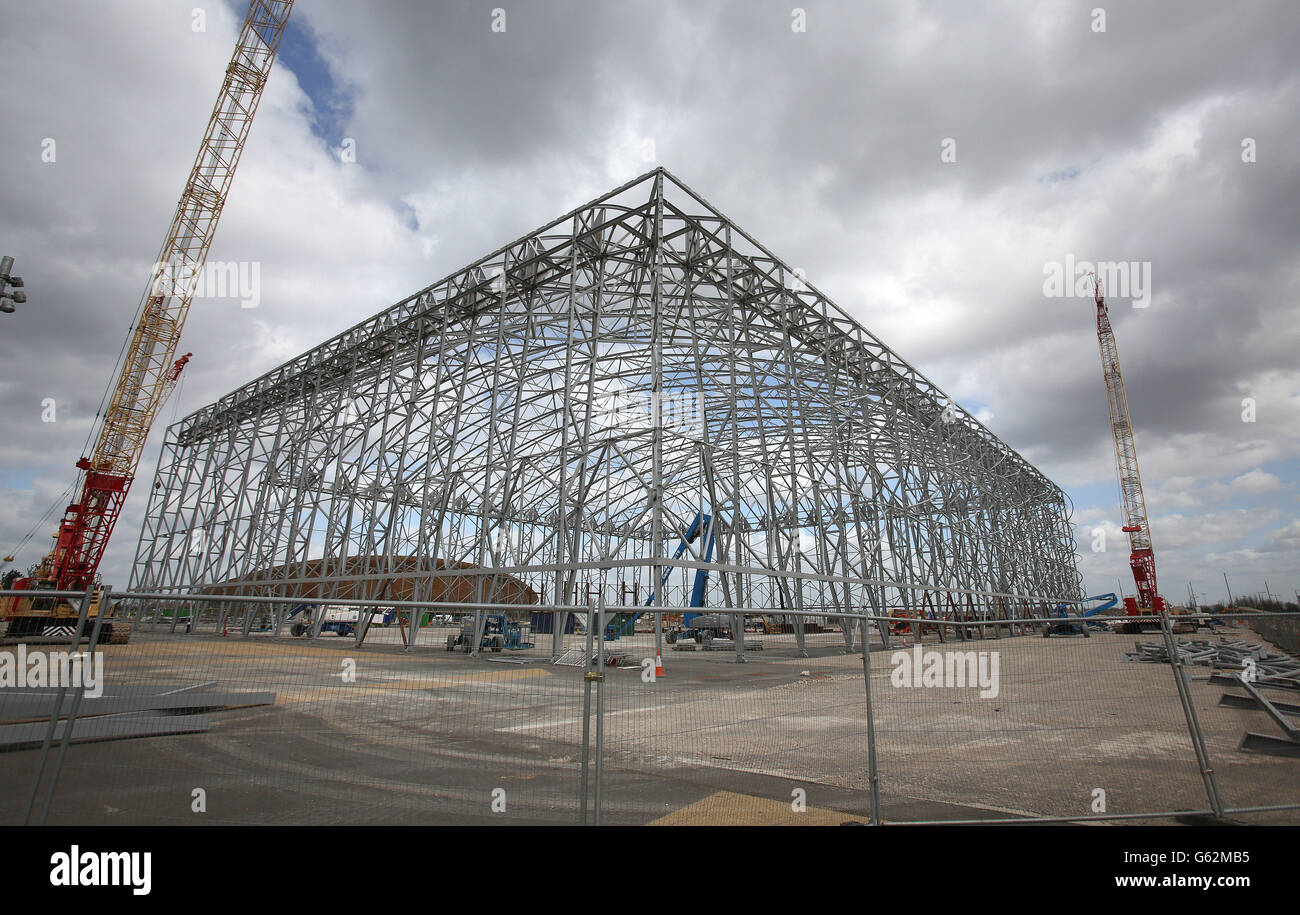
pixel 561 410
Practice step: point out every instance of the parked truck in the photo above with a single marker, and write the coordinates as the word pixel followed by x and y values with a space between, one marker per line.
pixel 339 620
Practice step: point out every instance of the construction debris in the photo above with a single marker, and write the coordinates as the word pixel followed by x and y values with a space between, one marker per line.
pixel 1235 679
pixel 574 657
pixel 1280 716
pixel 1281 675
pixel 1231 700
pixel 577 657
pixel 1267 743
pixel 1259 666
pixel 721 644
pixel 119 713
pixel 147 724
pixel 1232 654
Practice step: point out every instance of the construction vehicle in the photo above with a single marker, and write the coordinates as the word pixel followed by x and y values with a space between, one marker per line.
pixel 1148 606
pixel 701 527
pixel 498 633
pixel 1080 624
pixel 906 622
pixel 149 369
pixel 516 635
pixel 708 632
pixel 702 628
pixel 339 620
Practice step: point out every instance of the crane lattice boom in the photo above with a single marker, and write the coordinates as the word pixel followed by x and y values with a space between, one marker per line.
pixel 1141 559
pixel 148 369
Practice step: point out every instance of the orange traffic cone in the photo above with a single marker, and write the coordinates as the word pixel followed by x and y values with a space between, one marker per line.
pixel 659 665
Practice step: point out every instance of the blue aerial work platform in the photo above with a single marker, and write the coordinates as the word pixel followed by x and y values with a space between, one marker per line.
pixel 1107 602
pixel 702 526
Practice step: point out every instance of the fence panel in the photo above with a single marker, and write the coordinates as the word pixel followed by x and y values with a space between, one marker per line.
pixel 1015 725
pixel 1255 751
pixel 778 739
pixel 203 723
pixel 232 711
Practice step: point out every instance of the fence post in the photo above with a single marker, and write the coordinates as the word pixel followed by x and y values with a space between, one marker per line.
pixel 82 612
pixel 588 677
pixel 1189 712
pixel 738 633
pixel 600 699
pixel 872 771
pixel 80 690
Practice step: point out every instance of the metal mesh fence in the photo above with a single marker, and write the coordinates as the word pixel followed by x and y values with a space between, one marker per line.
pixel 240 711
pixel 778 739
pixel 1026 726
pixel 194 720
pixel 1246 692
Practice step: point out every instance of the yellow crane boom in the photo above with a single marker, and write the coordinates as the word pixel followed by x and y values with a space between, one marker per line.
pixel 150 367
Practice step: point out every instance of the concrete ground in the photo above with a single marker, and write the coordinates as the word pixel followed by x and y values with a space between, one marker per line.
pixel 377 735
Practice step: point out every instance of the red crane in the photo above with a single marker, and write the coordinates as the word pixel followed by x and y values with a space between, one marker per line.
pixel 150 368
pixel 1142 559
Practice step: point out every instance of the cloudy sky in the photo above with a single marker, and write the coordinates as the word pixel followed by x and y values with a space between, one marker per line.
pixel 928 165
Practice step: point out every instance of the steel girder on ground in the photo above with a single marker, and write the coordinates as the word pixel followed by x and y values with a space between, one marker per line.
pixel 561 410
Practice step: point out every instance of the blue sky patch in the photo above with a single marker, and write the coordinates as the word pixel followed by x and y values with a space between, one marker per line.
pixel 332 104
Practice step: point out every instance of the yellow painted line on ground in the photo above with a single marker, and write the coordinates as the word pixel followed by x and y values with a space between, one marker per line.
pixel 726 808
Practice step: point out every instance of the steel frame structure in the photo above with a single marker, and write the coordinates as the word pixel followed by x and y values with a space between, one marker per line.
pixel 560 410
